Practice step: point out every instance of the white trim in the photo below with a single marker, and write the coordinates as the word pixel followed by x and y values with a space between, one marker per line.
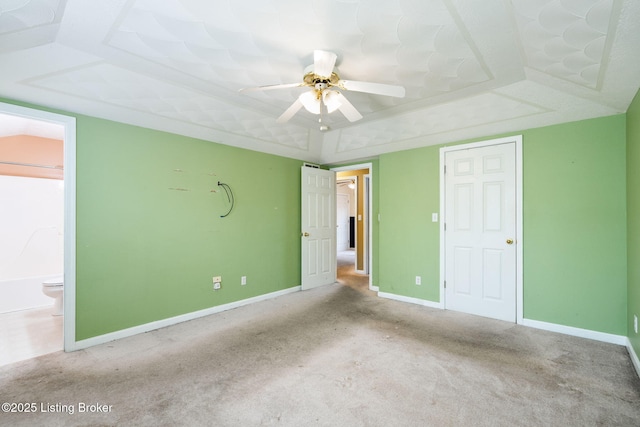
pixel 519 234
pixel 69 123
pixel 368 179
pixel 124 333
pixel 517 139
pixel 369 213
pixel 410 300
pixel 576 332
pixel 633 356
pixel 551 327
pixel 441 215
pixel 358 247
pixel 366 248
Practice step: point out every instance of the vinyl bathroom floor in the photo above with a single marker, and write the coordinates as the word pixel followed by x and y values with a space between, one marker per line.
pixel 30 333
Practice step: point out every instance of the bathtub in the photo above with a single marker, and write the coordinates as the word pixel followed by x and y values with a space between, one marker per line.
pixel 24 293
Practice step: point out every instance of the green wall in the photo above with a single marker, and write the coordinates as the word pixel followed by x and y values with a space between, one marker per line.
pixel 409 241
pixel 574 224
pixel 147 249
pixel 149 236
pixel 633 219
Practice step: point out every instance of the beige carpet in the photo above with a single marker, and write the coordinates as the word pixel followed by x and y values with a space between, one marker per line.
pixel 332 356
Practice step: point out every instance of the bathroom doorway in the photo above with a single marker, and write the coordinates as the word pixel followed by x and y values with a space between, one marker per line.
pixel 35 224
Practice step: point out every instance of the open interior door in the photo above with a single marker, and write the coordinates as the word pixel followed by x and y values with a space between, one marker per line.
pixel 318 227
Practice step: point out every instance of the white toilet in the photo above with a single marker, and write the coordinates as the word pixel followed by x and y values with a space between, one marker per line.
pixel 54 288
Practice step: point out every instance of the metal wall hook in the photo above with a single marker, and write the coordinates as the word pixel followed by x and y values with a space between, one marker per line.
pixel 230 197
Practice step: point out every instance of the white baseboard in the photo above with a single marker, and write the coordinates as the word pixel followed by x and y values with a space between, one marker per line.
pixel 410 300
pixel 576 332
pixel 112 336
pixel 634 357
pixel 552 327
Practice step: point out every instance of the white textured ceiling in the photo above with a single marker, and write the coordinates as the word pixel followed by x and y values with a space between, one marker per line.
pixel 471 68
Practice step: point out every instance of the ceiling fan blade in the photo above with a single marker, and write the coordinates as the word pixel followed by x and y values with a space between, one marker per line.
pixel 290 112
pixel 323 62
pixel 376 88
pixel 269 87
pixel 347 108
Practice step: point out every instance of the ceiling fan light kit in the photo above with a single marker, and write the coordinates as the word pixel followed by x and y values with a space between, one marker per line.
pixel 325 96
pixel 310 100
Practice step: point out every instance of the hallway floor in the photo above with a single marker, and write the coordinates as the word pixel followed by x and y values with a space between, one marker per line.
pixel 347 274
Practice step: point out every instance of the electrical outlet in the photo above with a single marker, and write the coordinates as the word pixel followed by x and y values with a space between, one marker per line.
pixel 216 285
pixel 243 280
pixel 635 323
pixel 418 280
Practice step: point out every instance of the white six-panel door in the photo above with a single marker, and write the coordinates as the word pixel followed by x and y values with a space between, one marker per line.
pixel 318 227
pixel 480 231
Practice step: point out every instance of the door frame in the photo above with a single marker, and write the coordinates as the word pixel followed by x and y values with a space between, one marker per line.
pixel 368 212
pixel 69 144
pixel 366 184
pixel 517 140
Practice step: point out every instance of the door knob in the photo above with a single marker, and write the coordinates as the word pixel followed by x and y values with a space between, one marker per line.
pixel 509 241
pixel 305 234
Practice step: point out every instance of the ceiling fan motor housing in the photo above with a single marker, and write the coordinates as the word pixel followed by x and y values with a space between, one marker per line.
pixel 312 79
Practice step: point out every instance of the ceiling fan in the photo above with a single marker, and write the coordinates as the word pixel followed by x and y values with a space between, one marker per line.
pixel 325 96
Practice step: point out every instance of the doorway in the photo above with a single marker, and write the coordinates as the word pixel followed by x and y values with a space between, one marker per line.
pixel 481 231
pixel 40 320
pixel 354 226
